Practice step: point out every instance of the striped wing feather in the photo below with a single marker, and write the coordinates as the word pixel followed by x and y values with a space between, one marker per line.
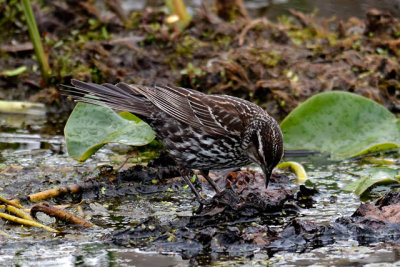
pixel 119 97
pixel 213 114
pixel 219 115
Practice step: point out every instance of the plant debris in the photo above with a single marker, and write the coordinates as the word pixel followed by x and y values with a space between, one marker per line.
pixel 234 221
pixel 60 214
pixel 275 64
pixel 370 223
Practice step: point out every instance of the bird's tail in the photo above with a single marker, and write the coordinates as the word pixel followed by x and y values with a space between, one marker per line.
pixel 120 96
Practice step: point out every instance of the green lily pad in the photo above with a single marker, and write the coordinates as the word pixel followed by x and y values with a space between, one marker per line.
pixel 90 127
pixel 129 116
pixel 370 177
pixel 342 124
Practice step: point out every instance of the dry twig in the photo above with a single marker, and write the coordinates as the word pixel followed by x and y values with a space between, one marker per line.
pixel 59 214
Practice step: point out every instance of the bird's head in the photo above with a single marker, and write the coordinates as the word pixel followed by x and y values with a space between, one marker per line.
pixel 264 143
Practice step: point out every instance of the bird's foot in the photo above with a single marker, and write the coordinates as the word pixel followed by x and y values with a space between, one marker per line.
pixel 203 202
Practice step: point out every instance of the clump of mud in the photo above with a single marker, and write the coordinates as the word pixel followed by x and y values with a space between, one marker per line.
pixel 234 222
pixel 237 222
pixel 370 223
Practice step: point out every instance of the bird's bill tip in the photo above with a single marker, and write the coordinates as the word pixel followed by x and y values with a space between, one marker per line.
pixel 267 174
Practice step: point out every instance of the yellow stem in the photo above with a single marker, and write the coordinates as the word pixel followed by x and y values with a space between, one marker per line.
pixel 295 167
pixel 26 222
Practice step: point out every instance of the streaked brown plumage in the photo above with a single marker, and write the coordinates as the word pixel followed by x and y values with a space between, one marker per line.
pixel 200 131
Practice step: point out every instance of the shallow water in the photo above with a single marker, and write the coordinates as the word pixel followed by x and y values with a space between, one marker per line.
pixel 41 161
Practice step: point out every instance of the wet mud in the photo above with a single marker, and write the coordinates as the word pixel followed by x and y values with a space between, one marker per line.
pixel 149 207
pixel 236 222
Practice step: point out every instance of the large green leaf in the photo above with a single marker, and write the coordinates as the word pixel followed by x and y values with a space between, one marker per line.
pixel 372 176
pixel 90 127
pixel 341 123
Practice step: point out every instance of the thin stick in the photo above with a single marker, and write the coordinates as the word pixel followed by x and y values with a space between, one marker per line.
pixel 74 188
pixel 19 213
pixel 11 202
pixel 26 222
pixel 60 214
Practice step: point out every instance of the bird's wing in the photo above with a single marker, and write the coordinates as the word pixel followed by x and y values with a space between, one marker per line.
pixel 213 114
pixel 119 97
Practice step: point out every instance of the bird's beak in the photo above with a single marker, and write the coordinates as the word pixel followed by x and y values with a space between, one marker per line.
pixel 267 174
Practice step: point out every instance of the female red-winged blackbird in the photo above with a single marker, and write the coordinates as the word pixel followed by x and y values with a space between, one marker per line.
pixel 200 131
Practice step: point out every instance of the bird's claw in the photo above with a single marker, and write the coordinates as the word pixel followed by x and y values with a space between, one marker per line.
pixel 203 202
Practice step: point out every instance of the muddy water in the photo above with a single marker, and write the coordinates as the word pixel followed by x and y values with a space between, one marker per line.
pixel 40 162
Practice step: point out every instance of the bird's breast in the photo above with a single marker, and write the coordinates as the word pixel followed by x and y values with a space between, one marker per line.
pixel 196 149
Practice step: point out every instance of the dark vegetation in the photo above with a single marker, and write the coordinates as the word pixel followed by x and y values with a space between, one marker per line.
pixel 238 232
pixel 275 64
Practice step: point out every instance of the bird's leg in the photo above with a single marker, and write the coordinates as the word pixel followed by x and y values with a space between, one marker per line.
pixel 202 202
pixel 204 173
pixel 194 190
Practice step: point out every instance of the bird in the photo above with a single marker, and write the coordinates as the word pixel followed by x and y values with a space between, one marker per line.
pixel 200 131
